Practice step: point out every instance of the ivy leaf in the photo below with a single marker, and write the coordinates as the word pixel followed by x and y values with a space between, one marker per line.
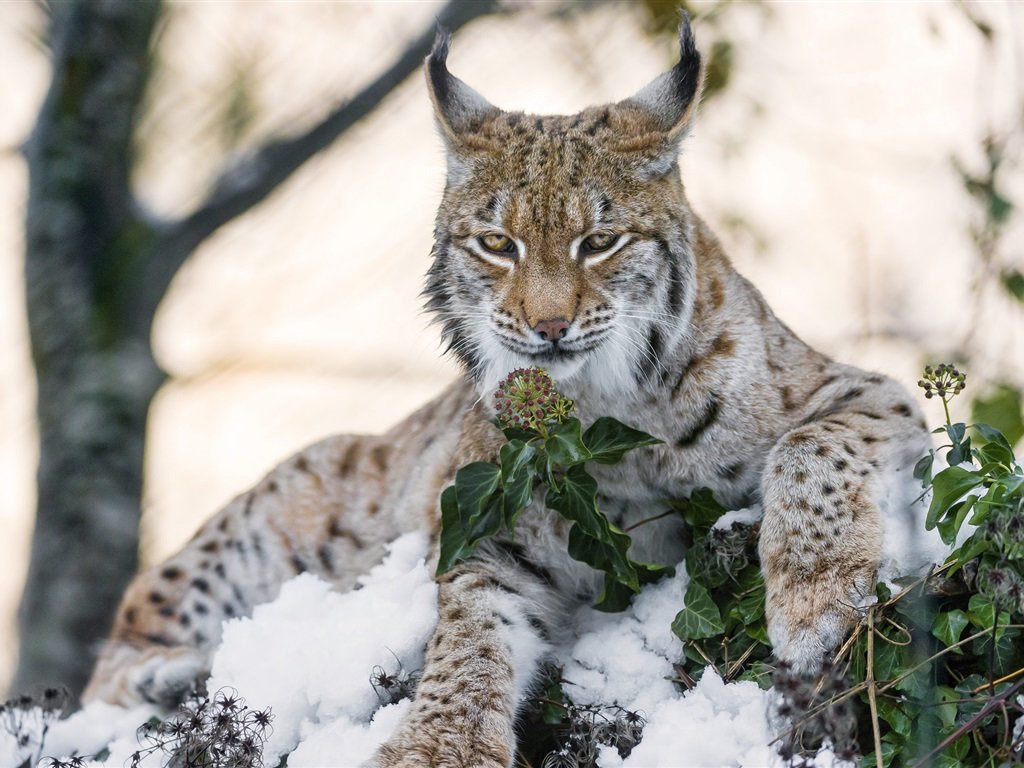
pixel 455 546
pixel 947 488
pixel 923 468
pixel 518 471
pixel 576 500
pixel 701 510
pixel 750 607
pixel 608 440
pixel 949 526
pixel 700 617
pixel 893 713
pixel 474 484
pixel 981 611
pixel 608 556
pixel 994 454
pixel 948 627
pixel 515 457
pixel 564 445
pixel 614 597
pixel 518 433
pixel 479 507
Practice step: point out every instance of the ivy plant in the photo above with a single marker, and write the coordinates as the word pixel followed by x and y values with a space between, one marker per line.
pixel 546 451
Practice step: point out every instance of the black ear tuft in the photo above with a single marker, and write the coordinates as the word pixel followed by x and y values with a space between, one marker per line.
pixel 437 63
pixel 687 71
pixel 670 100
pixel 459 109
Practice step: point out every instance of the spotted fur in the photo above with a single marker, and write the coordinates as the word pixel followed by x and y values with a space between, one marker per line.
pixel 598 270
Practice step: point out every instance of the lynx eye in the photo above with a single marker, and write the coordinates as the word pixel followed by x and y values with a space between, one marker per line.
pixel 598 243
pixel 500 244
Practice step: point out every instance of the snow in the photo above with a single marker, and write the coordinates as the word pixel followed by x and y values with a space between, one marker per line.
pixel 308 656
pixel 748 516
pixel 318 671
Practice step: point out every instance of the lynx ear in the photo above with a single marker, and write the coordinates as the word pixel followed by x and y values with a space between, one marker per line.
pixel 667 104
pixel 458 108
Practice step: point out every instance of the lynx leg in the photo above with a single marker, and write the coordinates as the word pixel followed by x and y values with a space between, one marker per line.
pixel 317 512
pixel 820 539
pixel 489 639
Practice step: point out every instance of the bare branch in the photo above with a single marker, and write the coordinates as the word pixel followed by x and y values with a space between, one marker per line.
pixel 248 183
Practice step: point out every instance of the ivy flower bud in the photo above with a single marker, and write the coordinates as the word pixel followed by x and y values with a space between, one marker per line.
pixel 527 399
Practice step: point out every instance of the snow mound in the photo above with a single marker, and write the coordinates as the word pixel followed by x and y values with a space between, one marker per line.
pixel 308 656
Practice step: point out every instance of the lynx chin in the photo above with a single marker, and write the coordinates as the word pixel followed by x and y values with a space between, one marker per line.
pixel 564 242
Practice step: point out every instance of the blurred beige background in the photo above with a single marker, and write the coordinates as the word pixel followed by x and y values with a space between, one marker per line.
pixel 825 167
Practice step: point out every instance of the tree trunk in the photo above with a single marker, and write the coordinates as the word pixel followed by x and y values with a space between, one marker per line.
pixel 94 370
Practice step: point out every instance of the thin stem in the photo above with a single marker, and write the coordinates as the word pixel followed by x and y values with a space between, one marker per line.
pixel 872 693
pixel 647 520
pixel 1002 679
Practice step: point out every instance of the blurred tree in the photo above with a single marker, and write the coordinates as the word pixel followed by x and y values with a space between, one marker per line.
pixel 96 267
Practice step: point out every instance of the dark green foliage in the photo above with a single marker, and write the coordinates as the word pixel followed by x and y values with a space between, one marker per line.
pixel 937 667
pixel 722 622
pixel 546 447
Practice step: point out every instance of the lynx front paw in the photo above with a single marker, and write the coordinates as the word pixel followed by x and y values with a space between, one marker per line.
pixel 809 617
pixel 158 675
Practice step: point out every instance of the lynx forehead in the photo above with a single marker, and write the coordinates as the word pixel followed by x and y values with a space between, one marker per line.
pixel 560 232
pixel 566 242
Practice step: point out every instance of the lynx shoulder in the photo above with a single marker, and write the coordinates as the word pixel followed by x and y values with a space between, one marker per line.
pixel 565 242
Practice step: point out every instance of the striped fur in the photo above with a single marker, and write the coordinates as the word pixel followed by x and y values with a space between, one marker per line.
pixel 657 330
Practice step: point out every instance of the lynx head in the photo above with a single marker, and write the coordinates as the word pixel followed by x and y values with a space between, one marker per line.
pixel 563 241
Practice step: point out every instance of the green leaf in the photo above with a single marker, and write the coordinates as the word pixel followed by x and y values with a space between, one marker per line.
pixel 614 597
pixel 949 625
pixel 518 433
pixel 1003 409
pixel 608 440
pixel 518 471
pixel 576 500
pixel 701 510
pixel 950 524
pixel 454 544
pixel 894 714
pixel 604 555
pixel 947 488
pixel 923 468
pixel 514 458
pixel 946 711
pixel 700 617
pixel 565 446
pixel 474 485
pixel 981 611
pixel 751 606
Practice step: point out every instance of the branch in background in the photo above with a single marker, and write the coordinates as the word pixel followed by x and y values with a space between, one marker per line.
pixel 248 183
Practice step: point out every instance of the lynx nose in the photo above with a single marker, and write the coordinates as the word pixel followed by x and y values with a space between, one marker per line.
pixel 552 330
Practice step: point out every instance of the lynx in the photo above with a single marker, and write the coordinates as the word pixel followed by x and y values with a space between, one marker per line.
pixel 564 242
